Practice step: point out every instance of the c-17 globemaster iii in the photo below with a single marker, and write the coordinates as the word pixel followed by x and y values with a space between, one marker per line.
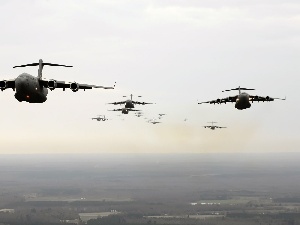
pixel 100 118
pixel 212 126
pixel 129 103
pixel 33 89
pixel 153 121
pixel 242 100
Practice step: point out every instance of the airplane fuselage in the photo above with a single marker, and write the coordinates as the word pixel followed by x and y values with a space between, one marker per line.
pixel 129 104
pixel 99 119
pixel 243 101
pixel 125 111
pixel 28 89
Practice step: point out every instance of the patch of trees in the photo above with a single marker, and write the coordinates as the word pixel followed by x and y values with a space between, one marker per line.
pixel 287 199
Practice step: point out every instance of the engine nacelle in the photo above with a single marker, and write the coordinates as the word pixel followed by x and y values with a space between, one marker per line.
pixel 3 85
pixel 125 111
pixel 218 100
pixel 231 99
pixel 255 98
pixel 267 98
pixel 52 84
pixel 74 86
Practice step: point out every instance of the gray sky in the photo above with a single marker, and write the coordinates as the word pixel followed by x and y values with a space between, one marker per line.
pixel 170 52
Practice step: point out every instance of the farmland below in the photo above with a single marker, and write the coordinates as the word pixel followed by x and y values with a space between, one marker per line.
pixel 142 189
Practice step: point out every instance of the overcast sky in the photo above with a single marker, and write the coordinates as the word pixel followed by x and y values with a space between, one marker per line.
pixel 173 53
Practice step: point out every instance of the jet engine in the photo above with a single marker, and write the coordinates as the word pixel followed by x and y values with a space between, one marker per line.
pixel 74 86
pixel 231 99
pixel 255 98
pixel 125 111
pixel 3 85
pixel 52 84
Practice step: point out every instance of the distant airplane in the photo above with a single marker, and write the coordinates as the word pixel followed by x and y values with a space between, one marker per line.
pixel 185 120
pixel 129 104
pixel 125 110
pixel 161 115
pixel 153 121
pixel 242 100
pixel 35 89
pixel 100 118
pixel 212 126
pixel 138 114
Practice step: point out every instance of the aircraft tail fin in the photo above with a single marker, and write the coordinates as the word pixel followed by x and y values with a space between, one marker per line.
pixel 41 64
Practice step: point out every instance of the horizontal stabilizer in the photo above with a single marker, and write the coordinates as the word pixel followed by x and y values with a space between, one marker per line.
pixel 236 89
pixel 43 64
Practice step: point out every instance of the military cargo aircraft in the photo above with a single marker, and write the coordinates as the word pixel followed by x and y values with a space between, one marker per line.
pixel 242 100
pixel 100 118
pixel 129 103
pixel 160 115
pixel 33 89
pixel 138 114
pixel 212 126
pixel 153 121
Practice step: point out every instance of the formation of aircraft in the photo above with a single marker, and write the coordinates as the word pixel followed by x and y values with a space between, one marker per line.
pixel 33 89
pixel 242 100
pixel 212 126
pixel 100 118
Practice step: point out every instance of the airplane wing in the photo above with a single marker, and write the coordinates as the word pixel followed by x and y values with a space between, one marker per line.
pixel 4 84
pixel 115 110
pixel 53 84
pixel 255 98
pixel 222 100
pixel 155 122
pixel 141 103
pixel 117 103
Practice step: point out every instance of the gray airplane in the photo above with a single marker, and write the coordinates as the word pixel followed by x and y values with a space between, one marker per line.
pixel 129 103
pixel 100 118
pixel 33 89
pixel 138 114
pixel 153 121
pixel 242 100
pixel 124 110
pixel 160 115
pixel 212 126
